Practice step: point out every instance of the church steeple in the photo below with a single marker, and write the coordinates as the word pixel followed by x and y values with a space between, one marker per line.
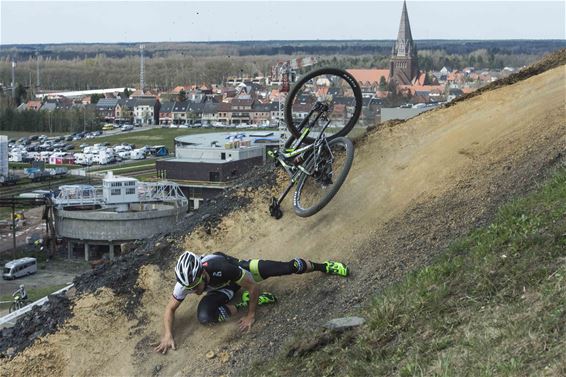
pixel 404 45
pixel 404 65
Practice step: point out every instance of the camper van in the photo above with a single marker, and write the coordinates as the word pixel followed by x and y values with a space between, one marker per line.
pixel 19 267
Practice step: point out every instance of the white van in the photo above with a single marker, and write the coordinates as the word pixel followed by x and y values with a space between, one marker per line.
pixel 19 267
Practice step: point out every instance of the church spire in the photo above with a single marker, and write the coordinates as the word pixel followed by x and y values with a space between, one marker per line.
pixel 404 65
pixel 404 45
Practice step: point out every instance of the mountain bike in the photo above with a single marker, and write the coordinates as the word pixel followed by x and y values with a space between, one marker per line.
pixel 321 109
pixel 18 304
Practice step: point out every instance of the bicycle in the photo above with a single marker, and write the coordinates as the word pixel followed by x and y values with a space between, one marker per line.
pixel 18 304
pixel 319 164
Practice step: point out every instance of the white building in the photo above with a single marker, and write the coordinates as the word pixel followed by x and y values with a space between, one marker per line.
pixel 117 190
pixel 3 155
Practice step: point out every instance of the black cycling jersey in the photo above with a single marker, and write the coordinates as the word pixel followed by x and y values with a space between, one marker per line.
pixel 224 274
pixel 221 271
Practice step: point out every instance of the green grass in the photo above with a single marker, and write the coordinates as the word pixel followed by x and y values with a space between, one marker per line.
pixel 493 305
pixel 23 165
pixel 154 136
pixel 33 294
pixel 18 134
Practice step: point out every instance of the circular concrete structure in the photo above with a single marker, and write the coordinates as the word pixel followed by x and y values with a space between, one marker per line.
pixel 141 220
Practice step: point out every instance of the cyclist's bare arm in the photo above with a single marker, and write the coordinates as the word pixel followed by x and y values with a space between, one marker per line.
pixel 167 340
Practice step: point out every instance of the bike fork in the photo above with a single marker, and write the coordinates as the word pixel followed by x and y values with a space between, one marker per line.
pixel 275 206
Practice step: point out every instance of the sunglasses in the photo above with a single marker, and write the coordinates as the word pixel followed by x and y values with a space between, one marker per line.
pixel 195 284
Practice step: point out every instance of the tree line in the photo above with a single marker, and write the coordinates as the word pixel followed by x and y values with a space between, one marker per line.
pixel 164 73
pixel 56 121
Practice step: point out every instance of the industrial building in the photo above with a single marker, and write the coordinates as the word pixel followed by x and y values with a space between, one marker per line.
pixel 122 210
pixel 207 164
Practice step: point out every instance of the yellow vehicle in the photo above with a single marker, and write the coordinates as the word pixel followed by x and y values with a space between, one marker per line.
pixel 108 127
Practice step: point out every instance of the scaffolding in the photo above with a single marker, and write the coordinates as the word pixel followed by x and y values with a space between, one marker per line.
pixel 147 192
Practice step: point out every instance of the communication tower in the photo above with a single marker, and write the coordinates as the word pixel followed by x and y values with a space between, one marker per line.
pixel 13 79
pixel 141 69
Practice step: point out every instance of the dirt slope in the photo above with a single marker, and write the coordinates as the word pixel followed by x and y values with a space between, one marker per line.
pixel 413 187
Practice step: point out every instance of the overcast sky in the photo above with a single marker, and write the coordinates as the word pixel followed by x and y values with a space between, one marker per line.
pixel 25 22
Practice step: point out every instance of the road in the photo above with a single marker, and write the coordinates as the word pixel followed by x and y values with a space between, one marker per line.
pixel 53 273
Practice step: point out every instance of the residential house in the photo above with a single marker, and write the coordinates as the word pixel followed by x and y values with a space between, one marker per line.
pixel 276 110
pixel 179 112
pixel 210 112
pixel 369 79
pixel 33 105
pixel 125 111
pixel 49 106
pixel 260 113
pixel 165 112
pixel 224 113
pixel 194 112
pixel 241 108
pixel 143 111
pixel 106 109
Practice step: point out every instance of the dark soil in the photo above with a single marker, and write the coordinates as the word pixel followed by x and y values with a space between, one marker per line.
pixel 38 322
pixel 121 275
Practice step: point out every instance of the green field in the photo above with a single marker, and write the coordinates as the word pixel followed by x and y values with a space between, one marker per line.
pixel 18 134
pixel 493 305
pixel 34 294
pixel 154 136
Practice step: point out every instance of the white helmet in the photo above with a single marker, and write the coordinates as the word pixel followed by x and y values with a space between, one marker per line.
pixel 188 268
pixel 21 286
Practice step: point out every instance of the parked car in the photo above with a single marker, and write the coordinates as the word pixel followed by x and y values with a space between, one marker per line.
pixel 127 127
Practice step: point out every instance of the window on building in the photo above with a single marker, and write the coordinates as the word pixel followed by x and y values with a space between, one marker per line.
pixel 130 191
pixel 222 156
pixel 115 192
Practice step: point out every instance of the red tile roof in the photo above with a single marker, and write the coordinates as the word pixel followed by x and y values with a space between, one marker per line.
pixel 369 76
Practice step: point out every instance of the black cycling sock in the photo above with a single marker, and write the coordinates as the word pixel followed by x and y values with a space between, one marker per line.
pixel 318 267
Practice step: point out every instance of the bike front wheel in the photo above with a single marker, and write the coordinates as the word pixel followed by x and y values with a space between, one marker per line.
pixel 315 190
pixel 338 90
pixel 15 306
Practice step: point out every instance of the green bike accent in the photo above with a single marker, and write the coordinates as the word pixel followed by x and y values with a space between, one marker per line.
pixel 336 268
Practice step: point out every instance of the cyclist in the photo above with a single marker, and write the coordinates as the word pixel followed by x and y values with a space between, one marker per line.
pixel 221 276
pixel 20 294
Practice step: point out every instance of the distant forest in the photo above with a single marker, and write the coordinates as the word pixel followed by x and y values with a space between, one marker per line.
pixel 168 64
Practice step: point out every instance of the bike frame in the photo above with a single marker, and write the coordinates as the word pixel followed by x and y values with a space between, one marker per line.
pixel 295 171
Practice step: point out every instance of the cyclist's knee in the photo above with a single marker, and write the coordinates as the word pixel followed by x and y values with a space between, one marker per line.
pixel 209 313
pixel 298 265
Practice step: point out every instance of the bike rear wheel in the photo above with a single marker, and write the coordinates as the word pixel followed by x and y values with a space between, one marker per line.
pixel 334 87
pixel 315 191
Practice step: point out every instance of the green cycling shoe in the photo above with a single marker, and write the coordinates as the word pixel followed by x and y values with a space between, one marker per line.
pixel 336 268
pixel 263 299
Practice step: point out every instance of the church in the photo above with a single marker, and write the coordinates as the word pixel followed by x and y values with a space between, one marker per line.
pixel 403 69
pixel 404 66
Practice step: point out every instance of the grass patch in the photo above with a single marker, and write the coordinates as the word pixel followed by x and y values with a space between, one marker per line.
pixel 154 136
pixel 18 134
pixel 23 165
pixel 493 305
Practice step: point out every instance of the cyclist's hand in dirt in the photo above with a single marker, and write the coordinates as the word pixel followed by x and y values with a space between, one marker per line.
pixel 166 343
pixel 246 323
